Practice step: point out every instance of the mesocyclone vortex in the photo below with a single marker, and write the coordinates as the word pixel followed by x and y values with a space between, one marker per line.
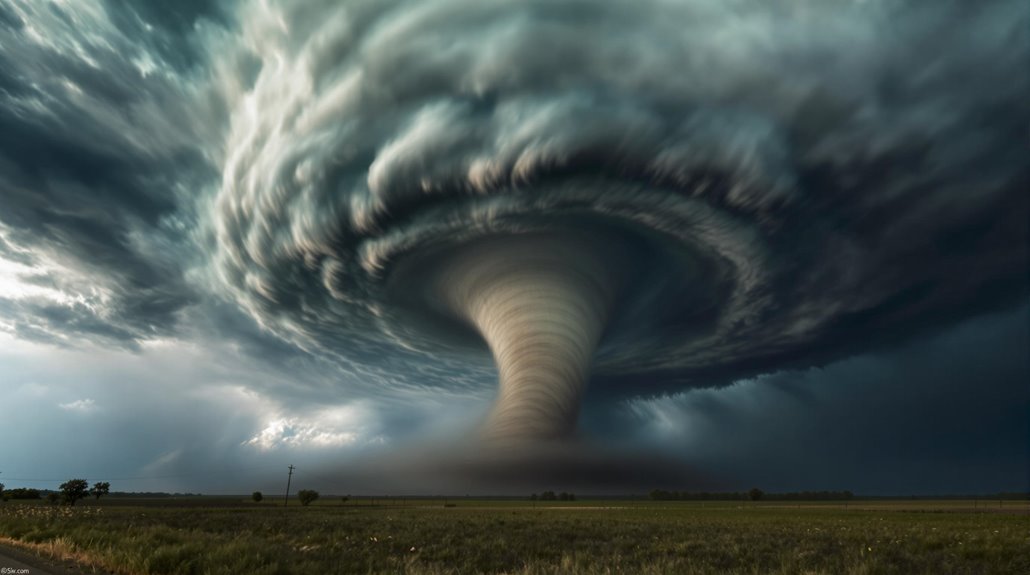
pixel 703 188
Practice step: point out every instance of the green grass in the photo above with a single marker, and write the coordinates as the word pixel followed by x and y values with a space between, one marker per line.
pixel 585 537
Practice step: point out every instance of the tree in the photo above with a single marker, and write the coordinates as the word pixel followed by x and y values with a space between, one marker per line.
pixel 306 496
pixel 755 494
pixel 2 494
pixel 74 490
pixel 257 497
pixel 548 496
pixel 100 488
pixel 52 498
pixel 533 497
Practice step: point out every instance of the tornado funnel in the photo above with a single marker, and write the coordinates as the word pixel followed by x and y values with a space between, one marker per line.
pixel 541 303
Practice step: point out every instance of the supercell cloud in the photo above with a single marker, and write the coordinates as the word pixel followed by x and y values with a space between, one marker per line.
pixel 601 202
pixel 703 190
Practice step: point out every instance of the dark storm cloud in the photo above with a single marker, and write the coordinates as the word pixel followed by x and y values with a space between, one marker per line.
pixel 63 324
pixel 98 154
pixel 803 177
pixel 944 415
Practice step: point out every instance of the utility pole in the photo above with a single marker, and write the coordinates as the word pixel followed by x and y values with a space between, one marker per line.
pixel 289 478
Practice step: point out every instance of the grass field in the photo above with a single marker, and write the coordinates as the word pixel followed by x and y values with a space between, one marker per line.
pixel 211 536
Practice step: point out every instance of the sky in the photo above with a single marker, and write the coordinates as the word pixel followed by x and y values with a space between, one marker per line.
pixel 702 245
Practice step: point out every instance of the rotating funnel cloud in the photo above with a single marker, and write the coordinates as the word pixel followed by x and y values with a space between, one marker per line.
pixel 541 303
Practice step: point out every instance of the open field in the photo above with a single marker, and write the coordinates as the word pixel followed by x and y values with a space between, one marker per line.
pixel 229 536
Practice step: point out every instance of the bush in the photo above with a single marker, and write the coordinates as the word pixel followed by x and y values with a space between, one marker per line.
pixel 257 497
pixel 22 493
pixel 306 496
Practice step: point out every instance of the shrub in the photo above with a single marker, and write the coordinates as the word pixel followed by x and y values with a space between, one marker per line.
pixel 22 493
pixel 100 488
pixel 306 496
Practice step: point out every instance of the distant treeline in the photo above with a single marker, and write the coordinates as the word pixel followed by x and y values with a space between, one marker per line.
pixel 1007 496
pixel 655 495
pixel 21 493
pixel 663 495
pixel 151 494
pixel 30 493
pixel 552 496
